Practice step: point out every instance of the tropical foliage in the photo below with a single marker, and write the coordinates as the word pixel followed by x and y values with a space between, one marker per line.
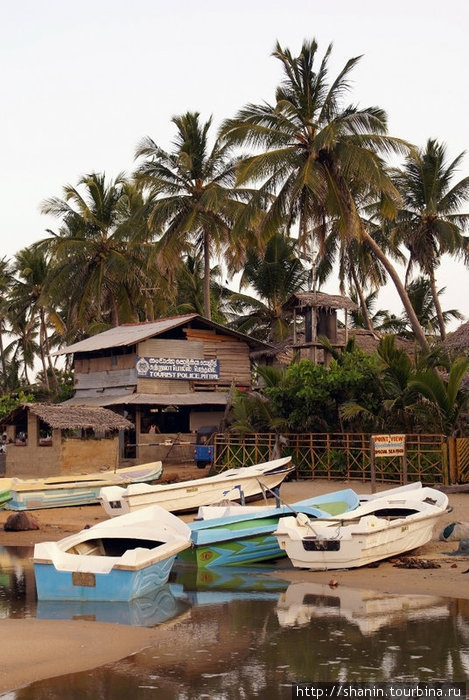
pixel 288 195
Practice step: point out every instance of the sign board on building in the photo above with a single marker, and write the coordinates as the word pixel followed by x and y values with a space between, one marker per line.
pixel 389 445
pixel 177 368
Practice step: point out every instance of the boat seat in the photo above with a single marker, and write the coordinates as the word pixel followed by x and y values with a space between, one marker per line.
pixel 87 548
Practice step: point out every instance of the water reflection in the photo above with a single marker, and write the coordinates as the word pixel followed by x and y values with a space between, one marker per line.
pixel 369 610
pixel 248 634
pixel 151 610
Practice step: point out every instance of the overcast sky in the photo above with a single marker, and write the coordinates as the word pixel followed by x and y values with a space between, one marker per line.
pixel 83 82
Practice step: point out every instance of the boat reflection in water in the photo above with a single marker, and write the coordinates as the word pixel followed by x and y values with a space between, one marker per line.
pixel 148 611
pixel 369 610
pixel 223 584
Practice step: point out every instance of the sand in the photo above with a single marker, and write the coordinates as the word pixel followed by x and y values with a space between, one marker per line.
pixel 55 647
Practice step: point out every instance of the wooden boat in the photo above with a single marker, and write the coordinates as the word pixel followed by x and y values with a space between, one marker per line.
pixel 379 528
pixel 76 489
pixel 5 492
pixel 231 508
pixel 240 540
pixel 233 485
pixel 118 559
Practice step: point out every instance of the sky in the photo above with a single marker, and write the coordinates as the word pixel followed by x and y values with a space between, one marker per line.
pixel 84 82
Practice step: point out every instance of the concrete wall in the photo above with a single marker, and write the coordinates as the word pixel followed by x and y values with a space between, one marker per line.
pixel 90 455
pixel 61 456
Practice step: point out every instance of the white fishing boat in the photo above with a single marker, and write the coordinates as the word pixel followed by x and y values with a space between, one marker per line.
pixel 379 528
pixel 75 489
pixel 116 560
pixel 229 509
pixel 233 485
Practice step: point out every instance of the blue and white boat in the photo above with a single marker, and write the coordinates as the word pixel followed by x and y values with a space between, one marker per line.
pixel 119 559
pixel 74 489
pixel 247 538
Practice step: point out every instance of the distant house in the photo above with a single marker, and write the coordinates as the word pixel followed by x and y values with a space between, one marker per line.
pixel 168 377
pixel 50 440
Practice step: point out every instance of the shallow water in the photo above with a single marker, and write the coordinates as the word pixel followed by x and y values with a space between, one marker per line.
pixel 239 634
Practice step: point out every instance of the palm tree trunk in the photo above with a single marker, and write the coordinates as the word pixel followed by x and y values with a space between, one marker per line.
pixel 41 350
pixel 409 309
pixel 363 306
pixel 47 352
pixel 207 306
pixel 2 355
pixel 436 302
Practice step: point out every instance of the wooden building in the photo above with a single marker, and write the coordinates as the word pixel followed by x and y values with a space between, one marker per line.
pixel 50 440
pixel 169 377
pixel 315 315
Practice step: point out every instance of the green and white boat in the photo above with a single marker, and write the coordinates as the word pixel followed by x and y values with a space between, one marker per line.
pixel 238 540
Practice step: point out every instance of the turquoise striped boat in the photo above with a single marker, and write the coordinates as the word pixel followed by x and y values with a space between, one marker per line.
pixel 75 489
pixel 239 540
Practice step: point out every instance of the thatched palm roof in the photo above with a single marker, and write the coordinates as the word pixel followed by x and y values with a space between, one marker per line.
pixel 320 300
pixel 459 340
pixel 71 417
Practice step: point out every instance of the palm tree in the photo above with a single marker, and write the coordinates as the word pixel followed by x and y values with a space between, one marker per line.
pixel 194 203
pixel 430 223
pixel 99 254
pixel 421 294
pixel 29 300
pixel 315 154
pixel 274 276
pixel 445 403
pixel 6 279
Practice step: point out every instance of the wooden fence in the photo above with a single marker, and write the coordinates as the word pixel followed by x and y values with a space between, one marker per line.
pixel 340 456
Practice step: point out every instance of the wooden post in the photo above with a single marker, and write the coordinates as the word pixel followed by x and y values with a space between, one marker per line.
pixel 452 458
pixel 372 465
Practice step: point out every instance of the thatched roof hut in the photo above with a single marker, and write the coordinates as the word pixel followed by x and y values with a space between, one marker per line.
pixel 459 340
pixel 318 300
pixel 67 417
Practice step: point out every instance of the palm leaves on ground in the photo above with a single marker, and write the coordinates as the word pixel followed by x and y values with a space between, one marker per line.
pixel 315 154
pixel 194 201
pixel 274 276
pixel 430 223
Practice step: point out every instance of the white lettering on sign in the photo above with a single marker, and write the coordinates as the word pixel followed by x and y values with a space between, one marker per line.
pixel 177 368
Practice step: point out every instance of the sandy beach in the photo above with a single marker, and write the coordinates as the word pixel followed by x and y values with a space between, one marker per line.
pixel 55 647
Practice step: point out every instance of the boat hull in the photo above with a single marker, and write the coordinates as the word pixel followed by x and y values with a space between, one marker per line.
pixel 59 492
pixel 115 560
pixel 376 530
pixel 117 585
pixel 247 538
pixel 235 485
pixel 246 548
pixel 362 549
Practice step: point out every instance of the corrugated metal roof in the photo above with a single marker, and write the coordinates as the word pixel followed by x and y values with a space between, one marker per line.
pixel 132 333
pixel 195 398
pixel 128 334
